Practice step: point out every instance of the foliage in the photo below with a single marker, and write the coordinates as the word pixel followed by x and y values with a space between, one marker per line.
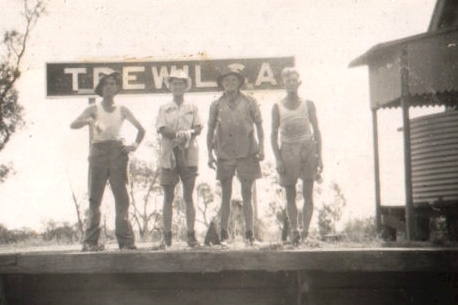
pixel 78 202
pixel 5 171
pixel 13 49
pixel 274 197
pixel 442 231
pixel 360 230
pixel 205 202
pixel 330 212
pixel 62 233
pixel 15 236
pixel 145 194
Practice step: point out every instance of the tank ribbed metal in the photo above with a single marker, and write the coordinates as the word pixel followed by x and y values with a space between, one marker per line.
pixel 434 148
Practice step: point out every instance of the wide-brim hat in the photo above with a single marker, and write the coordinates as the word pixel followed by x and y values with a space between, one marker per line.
pixel 234 69
pixel 178 74
pixel 116 75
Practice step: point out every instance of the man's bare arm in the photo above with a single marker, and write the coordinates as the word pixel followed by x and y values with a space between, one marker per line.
pixel 140 130
pixel 85 118
pixel 316 133
pixel 274 139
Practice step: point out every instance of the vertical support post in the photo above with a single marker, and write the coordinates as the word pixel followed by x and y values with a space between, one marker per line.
pixel 405 104
pixel 378 224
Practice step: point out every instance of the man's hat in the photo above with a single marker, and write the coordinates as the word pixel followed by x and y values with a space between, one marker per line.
pixel 116 75
pixel 178 74
pixel 233 69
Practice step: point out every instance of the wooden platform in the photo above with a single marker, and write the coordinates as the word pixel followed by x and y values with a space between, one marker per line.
pixel 335 276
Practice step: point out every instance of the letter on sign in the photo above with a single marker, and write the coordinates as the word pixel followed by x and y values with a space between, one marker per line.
pixel 265 75
pixel 74 72
pixel 127 77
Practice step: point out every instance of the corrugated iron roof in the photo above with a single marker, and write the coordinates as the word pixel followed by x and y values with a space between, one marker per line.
pixel 431 62
pixel 382 48
pixel 432 68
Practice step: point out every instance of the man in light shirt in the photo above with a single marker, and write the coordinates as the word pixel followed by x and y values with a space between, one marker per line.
pixel 179 124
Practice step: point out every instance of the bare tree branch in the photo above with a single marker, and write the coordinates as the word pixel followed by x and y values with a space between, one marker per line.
pixel 16 45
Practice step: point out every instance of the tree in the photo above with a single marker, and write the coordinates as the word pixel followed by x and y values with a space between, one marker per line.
pixel 13 48
pixel 205 197
pixel 144 190
pixel 274 195
pixel 5 171
pixel 77 201
pixel 331 212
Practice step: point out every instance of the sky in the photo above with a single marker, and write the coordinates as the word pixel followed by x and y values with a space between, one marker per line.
pixel 50 159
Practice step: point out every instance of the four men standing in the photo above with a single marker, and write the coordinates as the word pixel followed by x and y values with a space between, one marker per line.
pixel 233 119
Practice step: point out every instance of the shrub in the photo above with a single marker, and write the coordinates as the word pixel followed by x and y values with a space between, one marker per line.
pixel 15 236
pixel 61 233
pixel 360 230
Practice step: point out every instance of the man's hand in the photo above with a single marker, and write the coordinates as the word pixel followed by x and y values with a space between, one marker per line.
pixel 211 161
pixel 260 154
pixel 181 137
pixel 130 148
pixel 280 166
pixel 320 165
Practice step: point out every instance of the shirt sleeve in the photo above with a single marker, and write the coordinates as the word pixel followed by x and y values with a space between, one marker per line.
pixel 160 120
pixel 212 117
pixel 255 112
pixel 196 121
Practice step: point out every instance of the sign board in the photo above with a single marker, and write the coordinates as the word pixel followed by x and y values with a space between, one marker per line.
pixel 75 79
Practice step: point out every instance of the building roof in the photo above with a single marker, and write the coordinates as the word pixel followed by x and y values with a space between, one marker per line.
pixel 431 63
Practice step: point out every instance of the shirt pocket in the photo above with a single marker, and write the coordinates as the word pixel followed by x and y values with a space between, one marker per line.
pixel 187 120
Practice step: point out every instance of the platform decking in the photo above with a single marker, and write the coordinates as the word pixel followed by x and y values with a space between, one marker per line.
pixel 317 276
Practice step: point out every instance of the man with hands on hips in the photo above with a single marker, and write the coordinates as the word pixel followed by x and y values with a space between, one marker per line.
pixel 108 160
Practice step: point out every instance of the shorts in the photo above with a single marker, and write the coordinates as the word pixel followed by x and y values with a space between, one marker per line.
pixel 300 161
pixel 247 169
pixel 181 171
pixel 169 176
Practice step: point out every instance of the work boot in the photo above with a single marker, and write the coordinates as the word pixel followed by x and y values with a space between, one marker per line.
pixel 295 238
pixel 167 239
pixel 224 236
pixel 249 235
pixel 128 247
pixel 191 240
pixel 304 235
pixel 92 248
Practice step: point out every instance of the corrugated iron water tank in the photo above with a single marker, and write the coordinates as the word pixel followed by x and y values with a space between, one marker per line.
pixel 434 147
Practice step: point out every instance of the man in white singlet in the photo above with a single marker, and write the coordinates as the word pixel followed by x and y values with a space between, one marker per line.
pixel 299 154
pixel 108 161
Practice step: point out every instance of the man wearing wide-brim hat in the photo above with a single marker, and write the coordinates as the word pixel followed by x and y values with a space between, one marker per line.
pixel 108 161
pixel 178 123
pixel 232 120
